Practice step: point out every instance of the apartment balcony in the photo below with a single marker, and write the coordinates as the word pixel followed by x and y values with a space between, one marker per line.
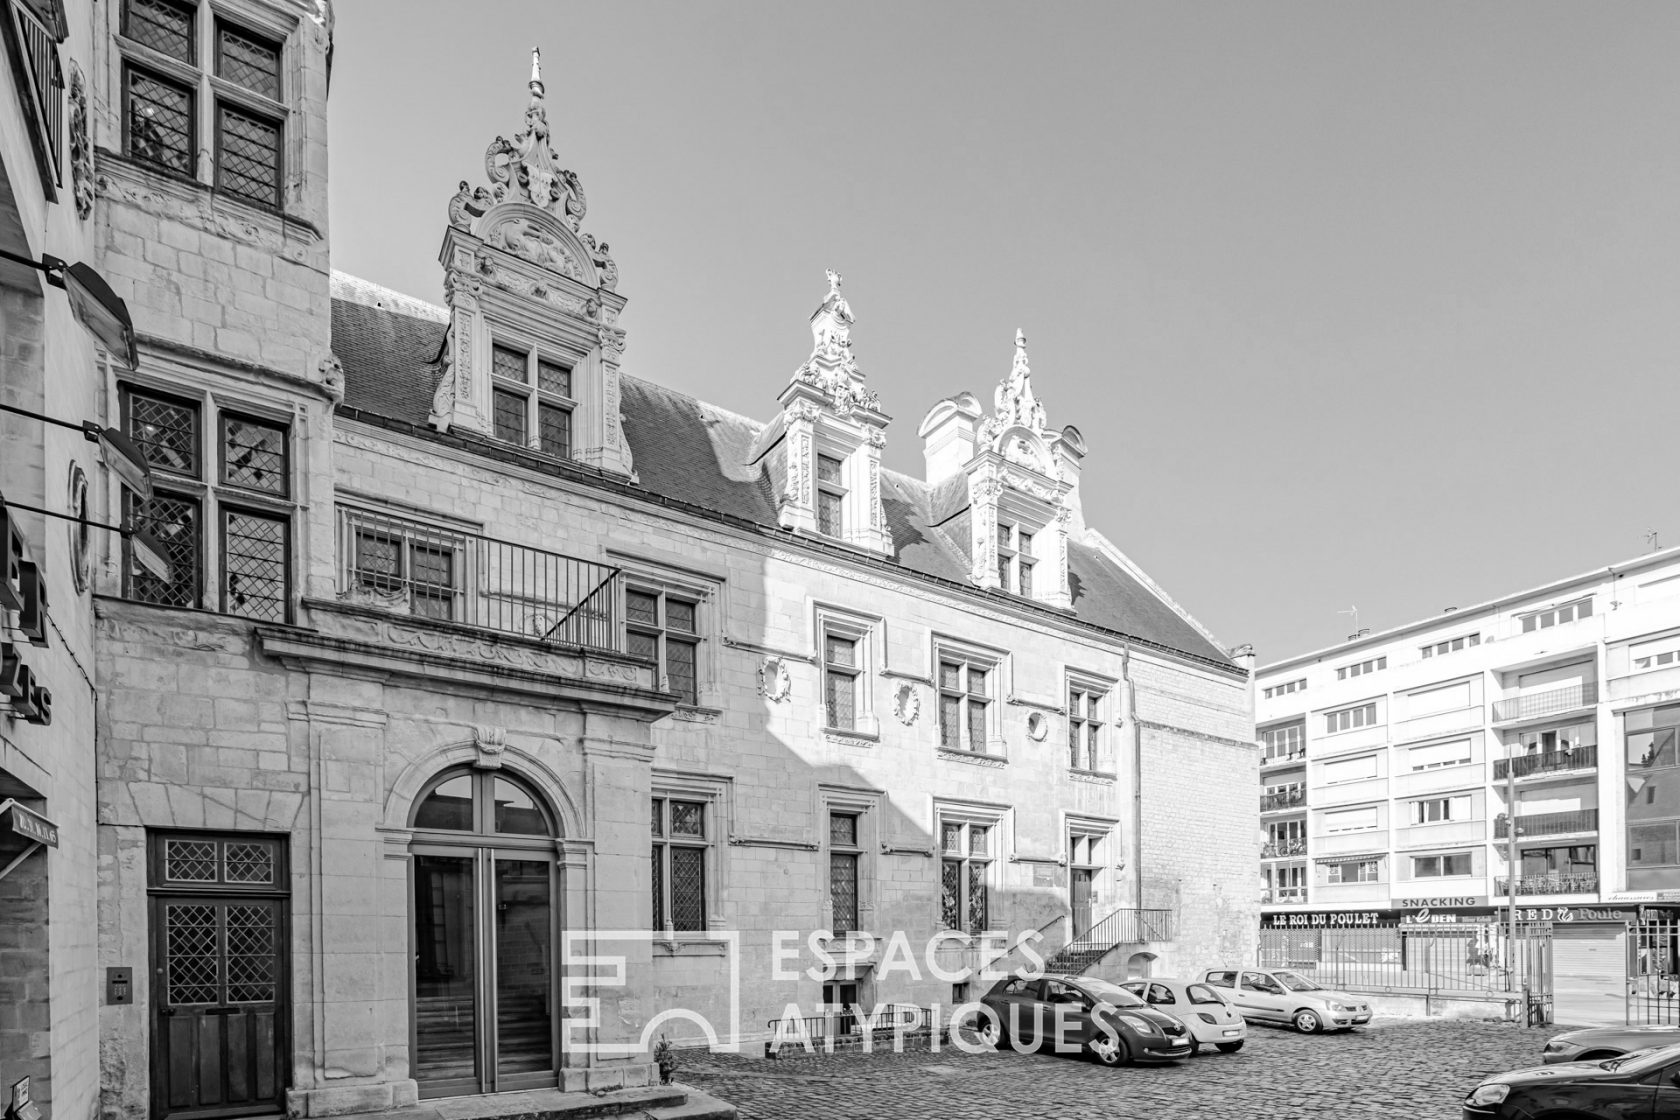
pixel 1280 849
pixel 1283 800
pixel 1573 761
pixel 1578 883
pixel 1283 896
pixel 1549 704
pixel 1287 758
pixel 1549 824
pixel 443 575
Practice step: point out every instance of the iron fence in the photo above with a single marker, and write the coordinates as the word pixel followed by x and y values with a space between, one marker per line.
pixel 853 1022
pixel 449 575
pixel 1577 758
pixel 1469 960
pixel 1549 702
pixel 1548 824
pixel 1277 849
pixel 1653 971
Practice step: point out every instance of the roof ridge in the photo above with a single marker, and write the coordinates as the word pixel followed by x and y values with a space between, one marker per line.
pixel 1095 539
pixel 354 289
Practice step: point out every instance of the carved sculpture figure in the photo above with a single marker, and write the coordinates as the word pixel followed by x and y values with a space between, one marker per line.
pixel 831 366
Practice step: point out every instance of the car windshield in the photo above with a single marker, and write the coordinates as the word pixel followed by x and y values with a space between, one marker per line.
pixel 1295 982
pixel 1110 993
pixel 1642 1061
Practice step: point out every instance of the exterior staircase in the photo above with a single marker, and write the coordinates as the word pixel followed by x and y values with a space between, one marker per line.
pixel 1122 927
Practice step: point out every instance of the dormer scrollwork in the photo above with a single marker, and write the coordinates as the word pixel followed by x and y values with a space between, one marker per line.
pixel 528 291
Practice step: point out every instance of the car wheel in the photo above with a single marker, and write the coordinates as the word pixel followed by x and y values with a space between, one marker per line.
pixel 1307 1021
pixel 1229 1047
pixel 1110 1050
pixel 991 1033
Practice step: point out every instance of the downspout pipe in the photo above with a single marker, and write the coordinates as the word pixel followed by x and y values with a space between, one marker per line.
pixel 1137 774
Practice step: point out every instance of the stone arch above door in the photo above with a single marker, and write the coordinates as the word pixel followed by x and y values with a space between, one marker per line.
pixel 487 750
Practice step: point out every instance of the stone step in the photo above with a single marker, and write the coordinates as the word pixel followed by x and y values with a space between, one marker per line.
pixel 546 1104
pixel 699 1106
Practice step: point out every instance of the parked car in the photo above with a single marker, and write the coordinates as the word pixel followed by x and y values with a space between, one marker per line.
pixel 1597 1043
pixel 1212 1020
pixel 1099 1018
pixel 1280 995
pixel 1644 1085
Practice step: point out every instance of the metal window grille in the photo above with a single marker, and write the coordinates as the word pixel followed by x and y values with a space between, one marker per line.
pixel 249 149
pixel 166 430
pixel 173 522
pixel 248 60
pixel 254 455
pixel 256 564
pixel 163 25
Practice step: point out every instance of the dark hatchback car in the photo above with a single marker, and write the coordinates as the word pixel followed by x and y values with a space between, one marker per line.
pixel 1644 1085
pixel 1071 1014
pixel 1594 1044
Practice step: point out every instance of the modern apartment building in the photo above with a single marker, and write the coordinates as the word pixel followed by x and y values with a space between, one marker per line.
pixel 1394 764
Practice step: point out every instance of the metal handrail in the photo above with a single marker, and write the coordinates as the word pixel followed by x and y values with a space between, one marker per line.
pixel 1124 927
pixel 1548 824
pixel 1275 849
pixel 451 575
pixel 1522 766
pixel 1546 703
pixel 1580 883
pixel 1283 799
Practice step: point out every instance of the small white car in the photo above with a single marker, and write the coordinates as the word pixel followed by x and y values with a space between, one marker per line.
pixel 1200 1007
pixel 1280 995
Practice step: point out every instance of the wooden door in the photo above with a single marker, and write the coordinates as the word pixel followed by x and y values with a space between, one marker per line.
pixel 219 995
pixel 1080 885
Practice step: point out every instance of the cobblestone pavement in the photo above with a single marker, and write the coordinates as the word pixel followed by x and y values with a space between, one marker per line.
pixel 1406 1069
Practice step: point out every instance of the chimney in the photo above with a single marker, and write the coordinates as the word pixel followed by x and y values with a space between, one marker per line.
pixel 948 436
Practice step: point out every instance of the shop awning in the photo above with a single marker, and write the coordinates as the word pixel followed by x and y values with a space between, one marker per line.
pixel 18 823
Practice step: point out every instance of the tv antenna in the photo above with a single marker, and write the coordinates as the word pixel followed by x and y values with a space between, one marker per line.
pixel 1651 539
pixel 1354 611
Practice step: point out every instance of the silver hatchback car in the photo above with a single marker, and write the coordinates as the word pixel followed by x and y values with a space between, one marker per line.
pixel 1280 995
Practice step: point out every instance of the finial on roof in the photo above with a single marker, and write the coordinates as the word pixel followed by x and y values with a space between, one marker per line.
pixel 1014 398
pixel 536 72
pixel 1021 352
pixel 526 167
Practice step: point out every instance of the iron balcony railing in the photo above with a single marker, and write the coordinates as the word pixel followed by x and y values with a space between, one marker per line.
pixel 1550 702
pixel 409 567
pixel 1283 894
pixel 1576 758
pixel 1283 757
pixel 1282 799
pixel 1276 849
pixel 1583 882
pixel 1549 824
pixel 40 83
pixel 1124 927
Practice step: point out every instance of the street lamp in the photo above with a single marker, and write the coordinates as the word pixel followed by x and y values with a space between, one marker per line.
pixel 147 552
pixel 92 301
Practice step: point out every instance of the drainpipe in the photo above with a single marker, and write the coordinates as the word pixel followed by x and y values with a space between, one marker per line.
pixel 1137 773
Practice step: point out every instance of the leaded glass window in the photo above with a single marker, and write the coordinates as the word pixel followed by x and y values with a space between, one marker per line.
pixel 161 121
pixel 841 678
pixel 680 853
pixel 248 146
pixel 964 875
pixel 173 523
pixel 255 553
pixel 844 857
pixel 166 26
pixel 248 60
pixel 508 410
pixel 830 497
pixel 254 455
pixel 532 393
pixel 1084 723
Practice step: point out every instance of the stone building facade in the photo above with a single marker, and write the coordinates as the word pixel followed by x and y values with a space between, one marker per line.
pixel 484 665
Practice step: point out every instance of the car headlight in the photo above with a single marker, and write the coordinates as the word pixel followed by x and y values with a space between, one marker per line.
pixel 1334 1006
pixel 1138 1023
pixel 1489 1094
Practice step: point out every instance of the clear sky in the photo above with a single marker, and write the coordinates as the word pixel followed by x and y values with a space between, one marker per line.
pixel 1355 304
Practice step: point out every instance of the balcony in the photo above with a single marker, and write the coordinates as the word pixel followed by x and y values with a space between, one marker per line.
pixel 1551 702
pixel 1283 799
pixel 1278 849
pixel 1585 882
pixel 447 575
pixel 1549 824
pixel 1284 758
pixel 1283 896
pixel 1527 766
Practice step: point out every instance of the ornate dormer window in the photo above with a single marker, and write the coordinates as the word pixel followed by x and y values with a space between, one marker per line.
pixel 831 431
pixel 1022 484
pixel 533 351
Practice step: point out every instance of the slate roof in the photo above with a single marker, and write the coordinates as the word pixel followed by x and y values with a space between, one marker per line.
pixel 707 457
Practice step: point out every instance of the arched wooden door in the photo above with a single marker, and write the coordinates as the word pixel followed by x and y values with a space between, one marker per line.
pixel 485 918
